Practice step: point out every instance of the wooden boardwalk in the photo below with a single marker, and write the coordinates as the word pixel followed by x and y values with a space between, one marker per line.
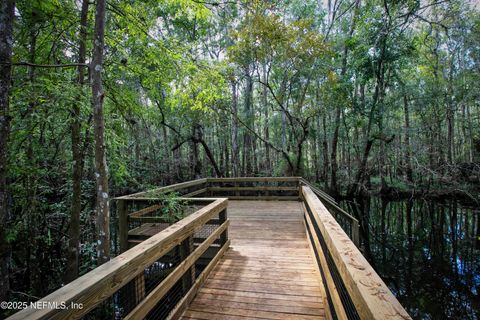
pixel 268 272
pixel 264 270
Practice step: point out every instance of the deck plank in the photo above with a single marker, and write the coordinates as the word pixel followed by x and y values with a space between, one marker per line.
pixel 268 271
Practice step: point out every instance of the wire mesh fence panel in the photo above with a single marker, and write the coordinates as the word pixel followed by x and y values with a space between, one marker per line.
pixel 126 299
pixel 341 289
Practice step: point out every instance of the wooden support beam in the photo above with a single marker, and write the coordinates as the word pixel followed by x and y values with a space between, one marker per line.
pixel 222 216
pixel 186 248
pixel 166 189
pixel 144 211
pixel 195 193
pixel 122 214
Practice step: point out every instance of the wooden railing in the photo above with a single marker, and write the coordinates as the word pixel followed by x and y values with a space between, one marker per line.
pixel 353 287
pixel 185 189
pixel 162 266
pixel 239 188
pixel 255 188
pixel 348 222
pixel 156 276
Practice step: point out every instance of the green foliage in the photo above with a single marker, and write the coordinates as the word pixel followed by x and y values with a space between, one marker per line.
pixel 173 208
pixel 170 69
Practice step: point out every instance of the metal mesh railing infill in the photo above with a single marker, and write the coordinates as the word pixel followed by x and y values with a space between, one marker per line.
pixel 345 298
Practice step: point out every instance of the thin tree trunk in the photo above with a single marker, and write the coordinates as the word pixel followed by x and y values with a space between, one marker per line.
pixel 326 164
pixel 248 140
pixel 235 157
pixel 71 271
pixel 102 209
pixel 450 118
pixel 470 134
pixel 378 97
pixel 408 160
pixel 7 10
pixel 266 126
pixel 197 165
pixel 168 158
pixel 226 156
pixel 284 131
pixel 338 112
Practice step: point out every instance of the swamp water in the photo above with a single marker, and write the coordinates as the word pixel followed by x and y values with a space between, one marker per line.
pixel 426 253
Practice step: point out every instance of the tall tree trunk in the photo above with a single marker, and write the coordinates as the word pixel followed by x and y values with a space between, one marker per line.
pixel 408 160
pixel 7 10
pixel 71 271
pixel 226 154
pixel 378 97
pixel 168 158
pixel 197 165
pixel 266 126
pixel 33 260
pixel 470 134
pixel 326 164
pixel 450 117
pixel 338 112
pixel 235 156
pixel 248 139
pixel 102 209
pixel 284 131
pixel 255 160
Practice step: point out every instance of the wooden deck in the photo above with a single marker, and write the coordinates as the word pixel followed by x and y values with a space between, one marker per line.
pixel 264 270
pixel 268 272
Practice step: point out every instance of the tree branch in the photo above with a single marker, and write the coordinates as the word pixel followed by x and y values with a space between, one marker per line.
pixel 35 65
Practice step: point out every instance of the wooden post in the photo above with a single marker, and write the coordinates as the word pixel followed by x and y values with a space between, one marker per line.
pixel 222 217
pixel 300 193
pixel 186 248
pixel 192 268
pixel 478 231
pixel 122 214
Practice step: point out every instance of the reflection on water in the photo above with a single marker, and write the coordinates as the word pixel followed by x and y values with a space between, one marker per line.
pixel 425 252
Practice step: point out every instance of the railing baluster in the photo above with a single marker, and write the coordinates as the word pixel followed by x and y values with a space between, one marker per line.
pixel 222 218
pixel 122 212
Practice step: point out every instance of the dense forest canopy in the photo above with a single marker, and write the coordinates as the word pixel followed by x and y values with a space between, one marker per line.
pixel 357 95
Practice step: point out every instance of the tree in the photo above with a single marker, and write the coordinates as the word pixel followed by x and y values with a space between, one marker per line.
pixel 71 271
pixel 7 10
pixel 102 209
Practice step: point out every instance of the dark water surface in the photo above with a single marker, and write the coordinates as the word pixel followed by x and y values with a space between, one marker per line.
pixel 425 252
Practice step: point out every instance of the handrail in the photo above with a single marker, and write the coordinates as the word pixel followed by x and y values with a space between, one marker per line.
pixel 371 298
pixel 254 179
pixel 288 184
pixel 330 202
pixel 354 289
pixel 101 283
pixel 166 189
